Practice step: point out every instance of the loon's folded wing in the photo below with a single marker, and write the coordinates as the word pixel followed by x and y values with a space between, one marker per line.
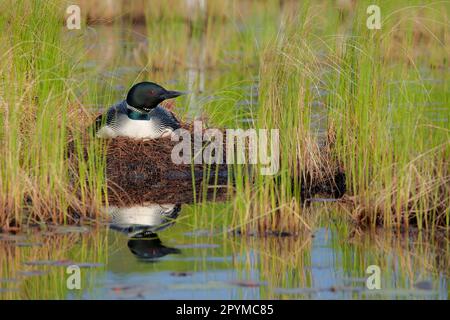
pixel 108 117
pixel 168 118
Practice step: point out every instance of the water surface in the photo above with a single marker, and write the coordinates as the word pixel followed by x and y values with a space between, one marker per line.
pixel 159 255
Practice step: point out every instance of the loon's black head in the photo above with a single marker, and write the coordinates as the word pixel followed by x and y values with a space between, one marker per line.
pixel 145 96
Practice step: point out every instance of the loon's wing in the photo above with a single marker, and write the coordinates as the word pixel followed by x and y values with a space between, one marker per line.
pixel 109 117
pixel 167 118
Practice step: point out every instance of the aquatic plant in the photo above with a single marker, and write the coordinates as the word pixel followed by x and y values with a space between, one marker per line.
pixel 39 115
pixel 395 149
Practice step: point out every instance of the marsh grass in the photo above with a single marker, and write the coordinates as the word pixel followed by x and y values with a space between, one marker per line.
pixel 289 85
pixel 340 95
pixel 377 86
pixel 394 153
pixel 205 40
pixel 38 110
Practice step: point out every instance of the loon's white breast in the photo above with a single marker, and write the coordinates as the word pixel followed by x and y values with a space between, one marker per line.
pixel 160 123
pixel 151 214
pixel 136 129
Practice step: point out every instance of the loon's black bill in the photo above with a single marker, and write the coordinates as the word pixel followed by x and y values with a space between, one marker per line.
pixel 172 94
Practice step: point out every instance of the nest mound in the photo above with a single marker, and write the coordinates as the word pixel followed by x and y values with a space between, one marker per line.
pixel 143 171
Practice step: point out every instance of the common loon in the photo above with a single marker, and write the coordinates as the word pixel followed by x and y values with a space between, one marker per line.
pixel 140 115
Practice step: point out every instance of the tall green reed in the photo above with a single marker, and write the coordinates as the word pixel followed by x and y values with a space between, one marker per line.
pixel 395 156
pixel 38 111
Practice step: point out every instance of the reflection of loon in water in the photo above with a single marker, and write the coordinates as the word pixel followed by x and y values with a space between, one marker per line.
pixel 150 248
pixel 140 224
pixel 146 218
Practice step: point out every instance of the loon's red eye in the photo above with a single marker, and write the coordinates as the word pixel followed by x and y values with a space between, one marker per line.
pixel 152 92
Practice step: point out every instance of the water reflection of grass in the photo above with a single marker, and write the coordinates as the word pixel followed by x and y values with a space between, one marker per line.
pixel 405 261
pixel 281 262
pixel 330 262
pixel 41 254
pixel 295 267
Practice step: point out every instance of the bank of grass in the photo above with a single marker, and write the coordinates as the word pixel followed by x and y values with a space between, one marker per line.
pixel 379 88
pixel 289 86
pixel 39 115
pixel 390 112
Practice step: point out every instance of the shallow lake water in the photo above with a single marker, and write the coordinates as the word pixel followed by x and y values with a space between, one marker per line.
pixel 202 267
pixel 164 257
